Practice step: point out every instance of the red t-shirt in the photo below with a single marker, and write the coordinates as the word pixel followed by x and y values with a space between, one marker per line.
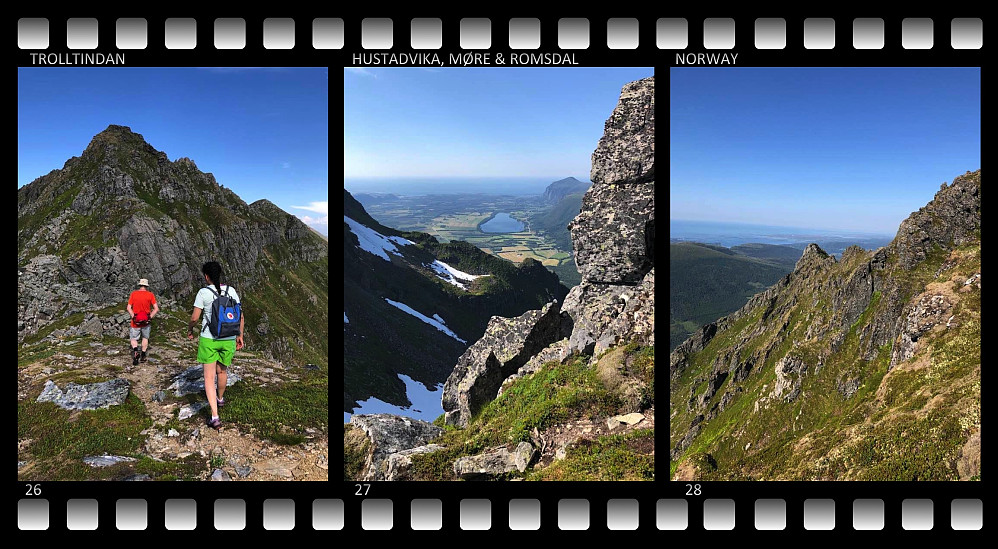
pixel 141 302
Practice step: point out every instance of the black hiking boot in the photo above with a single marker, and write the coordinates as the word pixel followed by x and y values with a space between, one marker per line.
pixel 143 359
pixel 135 357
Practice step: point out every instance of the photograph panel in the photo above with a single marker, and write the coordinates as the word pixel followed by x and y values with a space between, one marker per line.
pixel 499 273
pixel 825 300
pixel 173 274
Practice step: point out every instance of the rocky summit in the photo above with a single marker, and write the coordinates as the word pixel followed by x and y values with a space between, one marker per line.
pixel 564 392
pixel 863 367
pixel 122 211
pixel 87 232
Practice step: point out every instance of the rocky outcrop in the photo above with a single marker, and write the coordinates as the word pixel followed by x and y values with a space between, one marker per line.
pixel 495 463
pixel 605 314
pixel 614 234
pixel 92 396
pixel 507 345
pixel 390 434
pixel 952 218
pixel 396 466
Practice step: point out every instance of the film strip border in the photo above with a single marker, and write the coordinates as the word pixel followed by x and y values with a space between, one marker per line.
pixel 817 33
pixel 513 514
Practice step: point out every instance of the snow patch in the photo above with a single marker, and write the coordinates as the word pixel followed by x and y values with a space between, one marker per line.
pixel 425 402
pixel 432 322
pixel 400 240
pixel 452 275
pixel 345 319
pixel 374 242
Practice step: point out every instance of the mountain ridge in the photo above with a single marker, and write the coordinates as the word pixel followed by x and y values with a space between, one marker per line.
pixel 838 344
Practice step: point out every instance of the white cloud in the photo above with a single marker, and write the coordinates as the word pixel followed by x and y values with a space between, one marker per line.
pixel 309 220
pixel 361 70
pixel 285 165
pixel 317 207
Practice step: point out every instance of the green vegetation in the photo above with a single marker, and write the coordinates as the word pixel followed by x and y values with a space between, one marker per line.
pixel 281 413
pixel 356 447
pixel 555 395
pixel 852 419
pixel 614 457
pixel 61 438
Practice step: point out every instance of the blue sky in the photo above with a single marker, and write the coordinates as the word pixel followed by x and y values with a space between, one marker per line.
pixel 263 132
pixel 479 122
pixel 830 148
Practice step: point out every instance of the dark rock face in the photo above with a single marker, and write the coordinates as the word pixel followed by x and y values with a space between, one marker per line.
pixel 495 462
pixel 91 396
pixel 507 345
pixel 952 218
pixel 390 434
pixel 613 236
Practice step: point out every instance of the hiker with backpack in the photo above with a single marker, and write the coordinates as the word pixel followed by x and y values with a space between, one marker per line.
pixel 142 307
pixel 221 334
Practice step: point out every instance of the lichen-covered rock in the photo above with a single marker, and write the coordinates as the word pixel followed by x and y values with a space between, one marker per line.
pixel 390 434
pixel 495 462
pixel 507 345
pixel 604 315
pixel 556 351
pixel 614 235
pixel 105 460
pixel 91 396
pixel 396 466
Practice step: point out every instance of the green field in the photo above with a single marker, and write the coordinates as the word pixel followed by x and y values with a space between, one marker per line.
pixel 457 217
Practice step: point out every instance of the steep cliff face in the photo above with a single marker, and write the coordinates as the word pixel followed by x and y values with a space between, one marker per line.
pixel 123 211
pixel 550 393
pixel 867 367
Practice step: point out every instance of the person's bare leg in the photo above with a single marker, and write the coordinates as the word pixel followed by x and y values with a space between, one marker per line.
pixel 145 344
pixel 209 388
pixel 135 343
pixel 223 376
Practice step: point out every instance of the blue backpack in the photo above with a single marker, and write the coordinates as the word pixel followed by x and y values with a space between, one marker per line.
pixel 225 315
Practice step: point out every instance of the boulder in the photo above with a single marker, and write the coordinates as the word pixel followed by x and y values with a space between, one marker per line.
pixel 191 381
pixel 91 396
pixel 390 434
pixel 105 460
pixel 495 462
pixel 396 466
pixel 507 345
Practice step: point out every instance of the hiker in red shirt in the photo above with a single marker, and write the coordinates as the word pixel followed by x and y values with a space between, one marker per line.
pixel 142 307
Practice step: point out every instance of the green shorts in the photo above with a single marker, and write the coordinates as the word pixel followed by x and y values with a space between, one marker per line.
pixel 216 350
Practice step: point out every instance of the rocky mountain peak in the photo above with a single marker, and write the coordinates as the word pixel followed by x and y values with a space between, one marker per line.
pixel 813 257
pixel 952 218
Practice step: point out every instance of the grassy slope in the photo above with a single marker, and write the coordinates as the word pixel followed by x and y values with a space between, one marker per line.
pixel 554 395
pixel 906 425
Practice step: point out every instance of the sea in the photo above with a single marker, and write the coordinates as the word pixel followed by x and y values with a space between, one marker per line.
pixel 733 234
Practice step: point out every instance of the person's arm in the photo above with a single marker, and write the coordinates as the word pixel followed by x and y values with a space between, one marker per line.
pixel 195 316
pixel 155 309
pixel 239 338
pixel 130 313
